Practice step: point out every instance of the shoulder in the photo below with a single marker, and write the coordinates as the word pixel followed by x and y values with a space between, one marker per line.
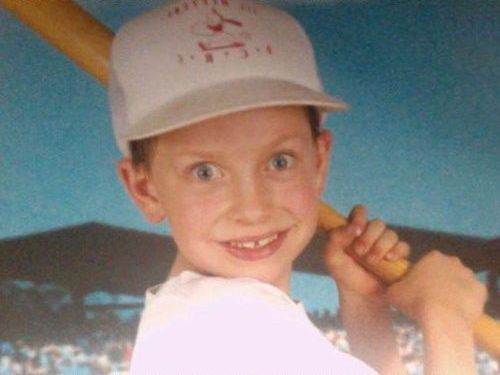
pixel 197 323
pixel 191 295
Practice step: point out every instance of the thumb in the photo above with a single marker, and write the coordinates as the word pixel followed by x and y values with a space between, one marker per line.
pixel 341 238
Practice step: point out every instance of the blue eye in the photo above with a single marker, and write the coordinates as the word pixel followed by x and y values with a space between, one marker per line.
pixel 206 171
pixel 282 161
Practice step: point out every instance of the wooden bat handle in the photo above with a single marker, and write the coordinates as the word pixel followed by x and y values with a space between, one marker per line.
pixel 87 42
pixel 69 28
pixel 486 329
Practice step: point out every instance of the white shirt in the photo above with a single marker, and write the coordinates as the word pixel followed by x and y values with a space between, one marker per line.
pixel 194 324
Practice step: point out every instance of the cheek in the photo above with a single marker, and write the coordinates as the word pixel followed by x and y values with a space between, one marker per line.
pixel 190 213
pixel 301 199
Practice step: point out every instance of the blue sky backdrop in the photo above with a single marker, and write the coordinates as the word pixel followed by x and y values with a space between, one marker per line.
pixel 420 145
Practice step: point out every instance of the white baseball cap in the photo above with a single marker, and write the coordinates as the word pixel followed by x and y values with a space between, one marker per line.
pixel 191 60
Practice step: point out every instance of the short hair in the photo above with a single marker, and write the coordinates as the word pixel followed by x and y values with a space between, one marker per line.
pixel 142 150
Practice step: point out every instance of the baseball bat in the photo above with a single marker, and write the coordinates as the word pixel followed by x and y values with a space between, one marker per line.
pixel 87 42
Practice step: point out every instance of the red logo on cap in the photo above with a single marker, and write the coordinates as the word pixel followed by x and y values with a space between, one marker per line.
pixel 220 32
pixel 219 36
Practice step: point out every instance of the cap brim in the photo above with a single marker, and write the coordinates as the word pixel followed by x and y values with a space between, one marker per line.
pixel 226 98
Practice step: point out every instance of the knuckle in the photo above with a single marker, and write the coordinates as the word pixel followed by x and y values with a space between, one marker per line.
pixel 391 234
pixel 361 243
pixel 402 248
pixel 378 249
pixel 405 246
pixel 379 224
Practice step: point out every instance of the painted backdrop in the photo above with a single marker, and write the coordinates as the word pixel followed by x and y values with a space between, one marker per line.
pixel 420 145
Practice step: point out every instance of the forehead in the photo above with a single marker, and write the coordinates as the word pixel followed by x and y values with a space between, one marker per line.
pixel 257 126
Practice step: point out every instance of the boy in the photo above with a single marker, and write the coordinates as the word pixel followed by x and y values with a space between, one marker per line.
pixel 217 107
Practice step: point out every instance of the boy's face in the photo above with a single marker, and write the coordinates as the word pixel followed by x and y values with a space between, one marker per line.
pixel 239 192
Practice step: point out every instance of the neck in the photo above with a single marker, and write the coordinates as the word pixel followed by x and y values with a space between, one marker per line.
pixel 180 265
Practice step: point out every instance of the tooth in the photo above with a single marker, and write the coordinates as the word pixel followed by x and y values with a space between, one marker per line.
pixel 248 245
pixel 254 244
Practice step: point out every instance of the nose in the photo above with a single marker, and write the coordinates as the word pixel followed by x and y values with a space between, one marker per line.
pixel 251 201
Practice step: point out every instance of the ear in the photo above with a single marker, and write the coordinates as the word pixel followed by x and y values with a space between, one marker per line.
pixel 323 149
pixel 141 189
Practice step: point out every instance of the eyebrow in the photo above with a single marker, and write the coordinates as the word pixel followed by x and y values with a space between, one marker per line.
pixel 209 154
pixel 288 139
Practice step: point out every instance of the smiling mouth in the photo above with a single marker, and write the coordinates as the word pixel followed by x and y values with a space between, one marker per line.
pixel 255 249
pixel 253 244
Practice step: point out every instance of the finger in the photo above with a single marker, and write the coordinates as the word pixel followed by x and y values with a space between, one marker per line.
pixel 338 240
pixel 342 237
pixel 400 251
pixel 387 240
pixel 365 241
pixel 358 218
